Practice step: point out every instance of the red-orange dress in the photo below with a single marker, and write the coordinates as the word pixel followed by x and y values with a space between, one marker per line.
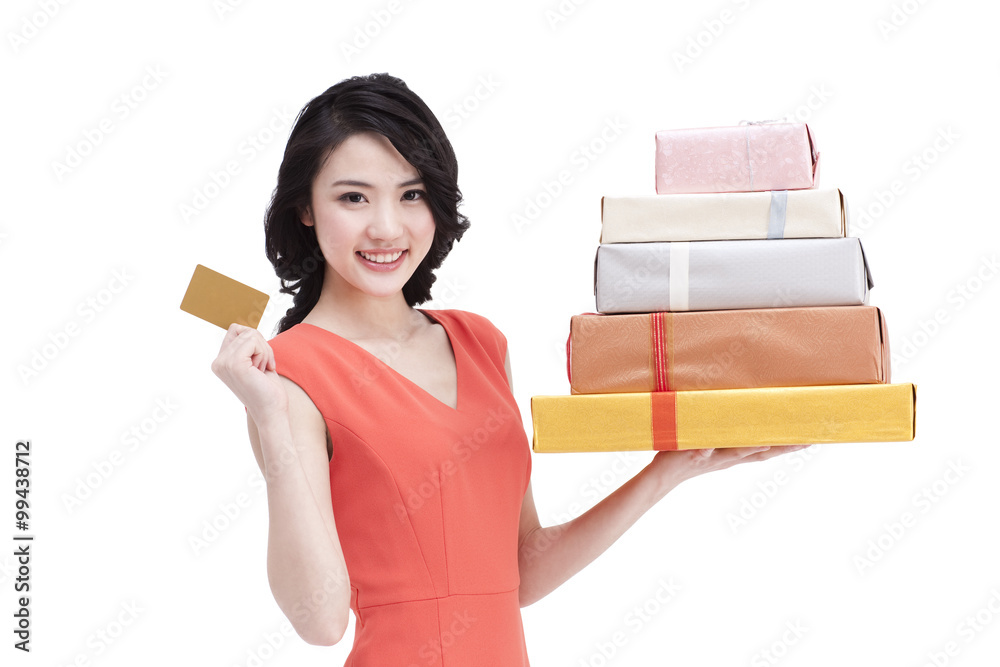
pixel 426 498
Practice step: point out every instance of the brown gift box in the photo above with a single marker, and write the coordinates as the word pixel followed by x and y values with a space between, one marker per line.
pixel 727 349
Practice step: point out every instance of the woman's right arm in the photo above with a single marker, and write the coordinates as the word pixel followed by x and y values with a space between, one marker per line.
pixel 305 563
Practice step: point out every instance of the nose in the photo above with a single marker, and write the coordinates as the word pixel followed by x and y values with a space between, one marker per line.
pixel 386 222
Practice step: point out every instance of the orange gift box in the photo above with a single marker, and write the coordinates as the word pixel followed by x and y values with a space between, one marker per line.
pixel 727 349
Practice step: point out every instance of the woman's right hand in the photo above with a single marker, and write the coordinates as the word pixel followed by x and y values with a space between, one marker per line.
pixel 246 364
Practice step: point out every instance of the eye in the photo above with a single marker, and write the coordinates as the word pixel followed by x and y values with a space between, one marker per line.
pixel 349 197
pixel 420 194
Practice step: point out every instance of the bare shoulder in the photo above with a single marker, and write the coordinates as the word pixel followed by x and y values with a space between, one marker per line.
pixel 308 428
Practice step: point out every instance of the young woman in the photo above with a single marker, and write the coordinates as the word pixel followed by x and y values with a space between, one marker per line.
pixel 396 461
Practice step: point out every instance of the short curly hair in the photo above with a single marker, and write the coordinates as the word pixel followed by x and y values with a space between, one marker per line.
pixel 374 103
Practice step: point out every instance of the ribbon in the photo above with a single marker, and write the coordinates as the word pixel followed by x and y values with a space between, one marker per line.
pixel 663 409
pixel 659 329
pixel 678 278
pixel 746 137
pixel 776 222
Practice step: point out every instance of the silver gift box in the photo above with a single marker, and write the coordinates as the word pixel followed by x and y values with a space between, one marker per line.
pixel 722 275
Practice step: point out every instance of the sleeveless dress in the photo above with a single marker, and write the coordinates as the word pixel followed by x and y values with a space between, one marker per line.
pixel 426 498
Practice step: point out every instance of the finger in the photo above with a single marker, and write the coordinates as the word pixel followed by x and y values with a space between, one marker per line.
pixel 272 363
pixel 231 333
pixel 776 451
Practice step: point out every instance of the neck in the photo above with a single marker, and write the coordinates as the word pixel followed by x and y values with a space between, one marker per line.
pixel 357 315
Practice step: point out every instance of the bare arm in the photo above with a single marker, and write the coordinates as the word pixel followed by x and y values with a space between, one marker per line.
pixel 548 556
pixel 305 562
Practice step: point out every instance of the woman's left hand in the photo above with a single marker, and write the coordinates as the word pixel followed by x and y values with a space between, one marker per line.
pixel 671 468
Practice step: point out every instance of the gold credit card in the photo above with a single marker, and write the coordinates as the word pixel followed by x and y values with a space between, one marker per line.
pixel 221 300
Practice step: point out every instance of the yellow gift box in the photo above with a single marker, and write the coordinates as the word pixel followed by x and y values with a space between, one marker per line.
pixel 669 420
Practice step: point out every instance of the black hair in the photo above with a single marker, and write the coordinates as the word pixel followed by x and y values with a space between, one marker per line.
pixel 374 103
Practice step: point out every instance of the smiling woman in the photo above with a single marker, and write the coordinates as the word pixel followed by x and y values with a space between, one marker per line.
pixel 399 421
pixel 372 225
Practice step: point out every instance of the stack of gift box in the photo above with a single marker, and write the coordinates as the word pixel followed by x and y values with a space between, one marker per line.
pixel 732 310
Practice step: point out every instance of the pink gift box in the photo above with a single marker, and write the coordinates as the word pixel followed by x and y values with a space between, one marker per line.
pixel 744 158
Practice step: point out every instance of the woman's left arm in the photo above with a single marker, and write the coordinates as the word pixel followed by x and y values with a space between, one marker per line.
pixel 548 556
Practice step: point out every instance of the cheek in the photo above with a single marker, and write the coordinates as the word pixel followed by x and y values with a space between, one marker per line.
pixel 426 226
pixel 336 232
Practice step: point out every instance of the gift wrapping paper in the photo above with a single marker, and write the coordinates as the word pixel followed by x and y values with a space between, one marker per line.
pixel 714 217
pixel 743 158
pixel 674 420
pixel 723 275
pixel 727 349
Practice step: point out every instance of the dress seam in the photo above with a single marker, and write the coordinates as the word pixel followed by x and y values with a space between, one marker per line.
pixel 395 484
pixel 441 597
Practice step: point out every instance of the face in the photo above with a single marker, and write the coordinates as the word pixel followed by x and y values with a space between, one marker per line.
pixel 372 218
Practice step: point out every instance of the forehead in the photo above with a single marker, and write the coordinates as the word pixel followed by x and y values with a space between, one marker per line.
pixel 368 155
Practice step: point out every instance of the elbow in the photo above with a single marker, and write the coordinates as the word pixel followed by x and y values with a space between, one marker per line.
pixel 323 634
pixel 527 597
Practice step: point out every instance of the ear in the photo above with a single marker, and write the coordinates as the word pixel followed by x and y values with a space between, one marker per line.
pixel 305 216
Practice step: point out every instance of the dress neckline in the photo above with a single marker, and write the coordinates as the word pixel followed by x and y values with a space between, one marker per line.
pixel 454 350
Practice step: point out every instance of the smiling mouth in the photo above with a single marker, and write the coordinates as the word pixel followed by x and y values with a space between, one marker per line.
pixel 382 261
pixel 382 258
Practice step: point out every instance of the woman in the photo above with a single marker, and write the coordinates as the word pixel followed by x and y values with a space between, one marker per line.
pixel 396 461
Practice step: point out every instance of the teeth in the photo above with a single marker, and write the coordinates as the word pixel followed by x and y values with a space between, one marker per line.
pixel 381 258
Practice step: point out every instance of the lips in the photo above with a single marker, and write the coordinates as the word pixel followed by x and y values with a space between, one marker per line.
pixel 376 265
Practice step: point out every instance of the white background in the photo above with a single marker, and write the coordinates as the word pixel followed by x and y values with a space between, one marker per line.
pixel 874 97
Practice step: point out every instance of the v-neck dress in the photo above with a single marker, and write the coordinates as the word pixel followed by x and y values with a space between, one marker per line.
pixel 426 497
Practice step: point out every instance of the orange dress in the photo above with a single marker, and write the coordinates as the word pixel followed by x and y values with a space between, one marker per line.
pixel 426 498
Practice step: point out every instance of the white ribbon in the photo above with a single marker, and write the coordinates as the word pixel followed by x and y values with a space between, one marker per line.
pixel 776 218
pixel 678 279
pixel 746 136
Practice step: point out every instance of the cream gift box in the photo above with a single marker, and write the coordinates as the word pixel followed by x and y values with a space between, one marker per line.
pixel 729 216
pixel 722 275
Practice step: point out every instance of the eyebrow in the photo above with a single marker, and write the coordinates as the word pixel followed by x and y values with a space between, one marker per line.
pixel 362 184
